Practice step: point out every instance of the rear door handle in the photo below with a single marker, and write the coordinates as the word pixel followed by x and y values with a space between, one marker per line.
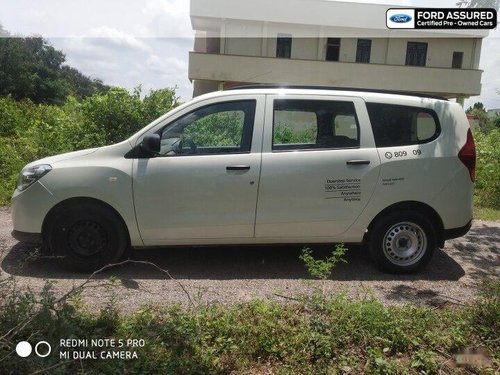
pixel 358 162
pixel 237 168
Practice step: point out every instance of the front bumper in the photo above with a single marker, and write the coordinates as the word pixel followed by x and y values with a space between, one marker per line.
pixel 29 208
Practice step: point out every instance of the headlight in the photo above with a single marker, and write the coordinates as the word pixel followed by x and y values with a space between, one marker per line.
pixel 31 175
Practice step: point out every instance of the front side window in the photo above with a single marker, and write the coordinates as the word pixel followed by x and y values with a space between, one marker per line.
pixel 314 124
pixel 397 125
pixel 221 128
pixel 416 54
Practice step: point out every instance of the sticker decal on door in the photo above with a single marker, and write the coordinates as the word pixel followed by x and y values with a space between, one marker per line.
pixel 348 189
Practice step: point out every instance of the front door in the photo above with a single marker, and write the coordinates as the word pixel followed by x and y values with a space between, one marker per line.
pixel 204 183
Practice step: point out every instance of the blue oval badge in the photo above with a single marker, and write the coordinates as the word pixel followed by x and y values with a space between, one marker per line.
pixel 400 18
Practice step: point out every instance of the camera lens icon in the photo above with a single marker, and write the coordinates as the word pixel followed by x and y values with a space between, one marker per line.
pixel 23 349
pixel 42 349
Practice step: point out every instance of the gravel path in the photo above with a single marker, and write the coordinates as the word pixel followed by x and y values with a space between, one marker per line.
pixel 232 275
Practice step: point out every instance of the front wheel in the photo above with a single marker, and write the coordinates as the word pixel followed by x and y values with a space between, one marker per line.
pixel 90 236
pixel 402 242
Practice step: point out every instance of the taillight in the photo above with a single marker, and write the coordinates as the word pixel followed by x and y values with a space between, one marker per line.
pixel 467 155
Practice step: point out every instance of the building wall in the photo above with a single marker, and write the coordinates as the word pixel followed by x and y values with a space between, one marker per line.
pixel 437 81
pixel 245 35
pixel 383 51
pixel 305 48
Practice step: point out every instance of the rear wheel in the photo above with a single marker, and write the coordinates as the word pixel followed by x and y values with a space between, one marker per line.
pixel 402 242
pixel 90 236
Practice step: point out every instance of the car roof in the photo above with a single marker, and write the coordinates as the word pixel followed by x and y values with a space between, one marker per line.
pixel 367 94
pixel 335 89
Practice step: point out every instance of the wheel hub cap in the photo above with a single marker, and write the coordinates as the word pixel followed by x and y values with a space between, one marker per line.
pixel 404 243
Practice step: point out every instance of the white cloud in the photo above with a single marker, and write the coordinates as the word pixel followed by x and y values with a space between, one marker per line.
pixel 157 63
pixel 110 37
pixel 168 18
pixel 166 65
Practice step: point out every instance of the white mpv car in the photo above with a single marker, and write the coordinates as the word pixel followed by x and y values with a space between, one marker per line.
pixel 263 166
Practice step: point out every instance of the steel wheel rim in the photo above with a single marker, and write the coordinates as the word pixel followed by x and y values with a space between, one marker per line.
pixel 87 238
pixel 404 243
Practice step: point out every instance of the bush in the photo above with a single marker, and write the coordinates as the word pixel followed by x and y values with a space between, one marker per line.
pixel 315 335
pixel 487 193
pixel 31 131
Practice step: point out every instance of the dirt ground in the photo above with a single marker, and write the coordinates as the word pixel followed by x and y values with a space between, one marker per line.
pixel 237 274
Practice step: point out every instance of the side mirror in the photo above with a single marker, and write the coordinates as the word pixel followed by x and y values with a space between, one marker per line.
pixel 151 143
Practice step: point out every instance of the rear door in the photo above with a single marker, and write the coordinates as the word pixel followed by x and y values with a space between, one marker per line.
pixel 319 166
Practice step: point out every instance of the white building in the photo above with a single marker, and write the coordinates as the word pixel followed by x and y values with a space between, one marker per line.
pixel 327 43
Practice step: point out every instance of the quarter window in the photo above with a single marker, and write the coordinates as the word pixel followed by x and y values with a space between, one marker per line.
pixel 221 128
pixel 314 124
pixel 396 125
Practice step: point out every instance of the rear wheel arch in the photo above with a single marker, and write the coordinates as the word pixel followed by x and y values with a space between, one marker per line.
pixel 416 206
pixel 402 238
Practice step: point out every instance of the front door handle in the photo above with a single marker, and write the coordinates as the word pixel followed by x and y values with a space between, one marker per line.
pixel 237 168
pixel 358 162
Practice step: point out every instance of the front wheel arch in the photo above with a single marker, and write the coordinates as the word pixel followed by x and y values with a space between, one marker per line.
pixel 74 202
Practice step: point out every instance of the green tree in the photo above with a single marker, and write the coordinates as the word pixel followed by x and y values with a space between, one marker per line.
pixel 31 68
pixel 159 102
pixel 478 111
pixel 81 86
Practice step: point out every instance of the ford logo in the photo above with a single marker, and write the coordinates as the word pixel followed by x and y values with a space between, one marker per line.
pixel 400 18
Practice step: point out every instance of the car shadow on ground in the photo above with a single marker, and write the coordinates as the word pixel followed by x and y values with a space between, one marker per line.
pixel 228 263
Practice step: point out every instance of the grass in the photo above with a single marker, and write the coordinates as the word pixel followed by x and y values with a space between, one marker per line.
pixel 485 213
pixel 315 335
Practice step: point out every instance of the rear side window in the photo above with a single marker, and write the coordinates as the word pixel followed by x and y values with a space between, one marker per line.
pixel 314 124
pixel 397 125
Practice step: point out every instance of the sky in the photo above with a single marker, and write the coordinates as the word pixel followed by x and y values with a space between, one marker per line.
pixel 146 42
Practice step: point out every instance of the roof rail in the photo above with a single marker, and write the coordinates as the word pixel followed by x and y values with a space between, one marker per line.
pixel 284 86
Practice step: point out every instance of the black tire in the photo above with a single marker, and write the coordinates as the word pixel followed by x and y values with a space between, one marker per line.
pixel 402 242
pixel 88 235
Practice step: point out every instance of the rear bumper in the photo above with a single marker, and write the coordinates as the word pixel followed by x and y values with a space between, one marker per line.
pixel 456 232
pixel 33 238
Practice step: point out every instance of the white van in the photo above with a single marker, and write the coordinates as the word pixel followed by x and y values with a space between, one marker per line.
pixel 263 166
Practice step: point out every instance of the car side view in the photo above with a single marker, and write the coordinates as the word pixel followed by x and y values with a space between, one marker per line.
pixel 263 166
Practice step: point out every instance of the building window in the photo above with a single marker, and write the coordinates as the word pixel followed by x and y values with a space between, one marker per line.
pixel 333 49
pixel 458 58
pixel 284 46
pixel 363 50
pixel 416 54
